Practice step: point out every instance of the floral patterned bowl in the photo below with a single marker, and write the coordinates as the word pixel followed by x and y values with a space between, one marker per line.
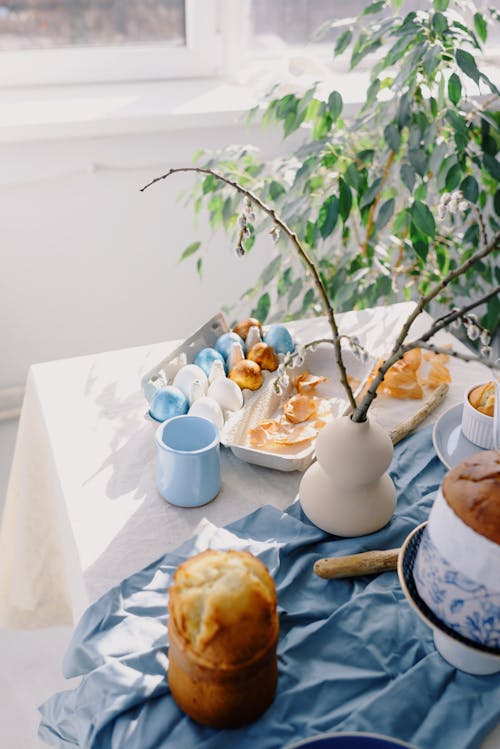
pixel 469 608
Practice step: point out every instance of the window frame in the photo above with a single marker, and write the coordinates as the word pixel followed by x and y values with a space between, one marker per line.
pixel 200 57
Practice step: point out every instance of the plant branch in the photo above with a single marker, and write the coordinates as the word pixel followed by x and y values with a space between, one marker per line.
pixel 300 250
pixel 373 207
pixel 444 321
pixel 371 394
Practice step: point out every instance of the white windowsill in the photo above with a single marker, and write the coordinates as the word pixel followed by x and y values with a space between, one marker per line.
pixel 95 110
pixel 66 112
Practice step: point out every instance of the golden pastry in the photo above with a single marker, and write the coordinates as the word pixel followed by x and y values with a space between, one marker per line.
pixel 482 398
pixel 263 355
pixel 244 326
pixel 223 629
pixel 247 374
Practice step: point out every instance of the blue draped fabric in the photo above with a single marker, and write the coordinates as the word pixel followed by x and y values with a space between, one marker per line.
pixel 353 655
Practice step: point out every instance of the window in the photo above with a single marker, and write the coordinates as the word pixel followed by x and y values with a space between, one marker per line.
pixel 68 41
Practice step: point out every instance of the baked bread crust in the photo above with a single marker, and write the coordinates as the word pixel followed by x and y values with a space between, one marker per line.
pixel 223 630
pixel 472 490
pixel 482 398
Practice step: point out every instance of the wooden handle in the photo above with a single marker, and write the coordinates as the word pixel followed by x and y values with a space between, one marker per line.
pixel 408 425
pixel 368 563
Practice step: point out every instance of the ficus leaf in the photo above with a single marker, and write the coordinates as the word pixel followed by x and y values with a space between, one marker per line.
pixel 470 188
pixel 190 250
pixel 423 218
pixel 439 23
pixel 453 177
pixel 328 215
pixel 343 42
pixel 454 88
pixel 392 137
pixel 370 194
pixel 418 160
pixel 261 311
pixel 480 26
pixel 408 176
pixel 345 199
pixel 276 190
pixel 374 7
pixel 492 166
pixel 384 213
pixel 335 105
pixel 467 64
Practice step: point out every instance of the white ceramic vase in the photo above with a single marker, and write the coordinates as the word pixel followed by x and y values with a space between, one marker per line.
pixel 348 492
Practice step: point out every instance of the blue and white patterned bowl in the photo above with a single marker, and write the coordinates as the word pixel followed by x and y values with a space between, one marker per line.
pixel 469 608
pixel 461 652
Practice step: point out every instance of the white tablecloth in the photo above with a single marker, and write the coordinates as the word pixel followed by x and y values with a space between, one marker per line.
pixel 82 509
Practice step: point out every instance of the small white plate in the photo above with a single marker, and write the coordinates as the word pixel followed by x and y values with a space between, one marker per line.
pixel 449 442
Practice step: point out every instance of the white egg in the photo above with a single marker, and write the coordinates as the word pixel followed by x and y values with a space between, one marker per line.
pixel 253 337
pixel 227 394
pixel 235 355
pixel 216 370
pixel 187 375
pixel 208 408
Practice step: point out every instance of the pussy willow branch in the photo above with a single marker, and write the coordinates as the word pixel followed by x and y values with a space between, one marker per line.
pixel 361 410
pixel 300 250
pixel 444 321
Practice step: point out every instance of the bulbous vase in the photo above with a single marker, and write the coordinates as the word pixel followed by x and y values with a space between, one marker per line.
pixel 348 492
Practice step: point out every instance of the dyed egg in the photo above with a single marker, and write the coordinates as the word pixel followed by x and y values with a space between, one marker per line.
pixel 168 402
pixel 227 394
pixel 247 374
pixel 279 338
pixel 224 341
pixel 208 408
pixel 187 375
pixel 206 357
pixel 264 355
pixel 243 327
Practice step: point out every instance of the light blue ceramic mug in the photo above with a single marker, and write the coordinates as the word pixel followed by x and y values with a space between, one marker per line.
pixel 188 461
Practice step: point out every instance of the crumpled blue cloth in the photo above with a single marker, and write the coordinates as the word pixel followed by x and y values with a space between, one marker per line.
pixel 353 655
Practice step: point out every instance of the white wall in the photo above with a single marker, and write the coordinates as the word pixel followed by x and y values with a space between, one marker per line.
pixel 88 263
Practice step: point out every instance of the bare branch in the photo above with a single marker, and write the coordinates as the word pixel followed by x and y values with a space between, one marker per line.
pixel 300 250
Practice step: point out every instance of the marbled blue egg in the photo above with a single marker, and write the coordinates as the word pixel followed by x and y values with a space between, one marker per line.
pixel 224 342
pixel 168 402
pixel 279 338
pixel 206 357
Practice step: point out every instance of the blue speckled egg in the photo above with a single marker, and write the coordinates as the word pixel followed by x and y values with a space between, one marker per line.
pixel 206 357
pixel 279 338
pixel 168 402
pixel 224 342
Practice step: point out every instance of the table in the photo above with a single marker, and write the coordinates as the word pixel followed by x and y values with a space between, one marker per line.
pixel 82 509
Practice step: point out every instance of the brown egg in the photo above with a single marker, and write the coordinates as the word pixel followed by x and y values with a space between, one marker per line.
pixel 263 355
pixel 247 374
pixel 244 326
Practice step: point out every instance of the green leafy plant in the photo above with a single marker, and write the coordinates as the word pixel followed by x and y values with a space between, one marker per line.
pixel 363 193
